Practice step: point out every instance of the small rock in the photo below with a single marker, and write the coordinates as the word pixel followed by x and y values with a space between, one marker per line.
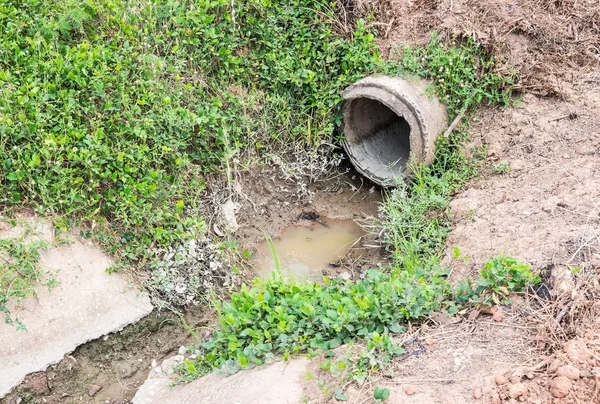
pixel 563 283
pixel 15 400
pixel 94 388
pixel 500 380
pixel 410 389
pixel 477 394
pixel 515 379
pixel 569 371
pixel 38 383
pixel 560 387
pixel 228 210
pixel 182 350
pixel 517 390
pixel 498 316
pixel 495 397
pixel 430 341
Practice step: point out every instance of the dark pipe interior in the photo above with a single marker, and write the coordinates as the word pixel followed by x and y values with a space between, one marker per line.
pixel 381 136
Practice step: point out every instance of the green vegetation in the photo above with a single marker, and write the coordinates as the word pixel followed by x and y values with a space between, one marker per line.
pixel 113 111
pixel 280 317
pixel 19 270
pixel 501 276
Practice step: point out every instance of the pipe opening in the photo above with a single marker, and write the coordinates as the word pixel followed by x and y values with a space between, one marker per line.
pixel 380 135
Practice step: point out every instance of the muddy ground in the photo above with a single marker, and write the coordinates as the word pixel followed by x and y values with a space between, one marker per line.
pixel 539 201
pixel 120 362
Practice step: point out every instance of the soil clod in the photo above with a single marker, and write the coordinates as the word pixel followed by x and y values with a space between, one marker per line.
pixel 560 386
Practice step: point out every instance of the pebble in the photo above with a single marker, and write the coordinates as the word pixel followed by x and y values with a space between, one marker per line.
pixel 94 388
pixel 477 394
pixel 500 380
pixel 560 387
pixel 517 390
pixel 569 371
pixel 410 389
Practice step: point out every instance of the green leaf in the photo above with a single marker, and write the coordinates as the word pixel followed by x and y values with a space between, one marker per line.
pixel 340 395
pixel 381 394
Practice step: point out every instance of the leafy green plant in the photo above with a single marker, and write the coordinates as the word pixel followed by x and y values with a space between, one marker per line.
pixel 284 317
pixel 501 168
pixel 501 276
pixel 463 75
pixel 381 394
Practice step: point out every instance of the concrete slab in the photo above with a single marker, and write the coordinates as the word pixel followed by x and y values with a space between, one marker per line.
pixel 88 304
pixel 278 383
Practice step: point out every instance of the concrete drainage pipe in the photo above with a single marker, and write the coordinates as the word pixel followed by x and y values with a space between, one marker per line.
pixel 390 125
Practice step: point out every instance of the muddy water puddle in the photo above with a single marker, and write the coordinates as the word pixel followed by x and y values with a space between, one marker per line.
pixel 305 251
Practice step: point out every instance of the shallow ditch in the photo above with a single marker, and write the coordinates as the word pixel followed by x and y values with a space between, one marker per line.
pixel 312 239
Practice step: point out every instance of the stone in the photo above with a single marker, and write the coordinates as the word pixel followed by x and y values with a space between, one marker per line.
pixel 569 371
pixel 94 388
pixel 563 283
pixel 87 304
pixel 38 383
pixel 498 316
pixel 500 380
pixel 517 390
pixel 410 389
pixel 560 386
pixel 228 210
pixel 495 397
pixel 477 394
pixel 277 383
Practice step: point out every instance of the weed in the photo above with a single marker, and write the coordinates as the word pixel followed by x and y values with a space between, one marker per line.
pixel 463 75
pixel 501 276
pixel 20 272
pixel 502 167
pixel 381 394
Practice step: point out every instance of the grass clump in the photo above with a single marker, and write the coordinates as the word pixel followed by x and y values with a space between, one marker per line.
pixel 414 215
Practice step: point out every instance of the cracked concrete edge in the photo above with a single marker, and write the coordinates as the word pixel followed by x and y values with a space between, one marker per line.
pixel 87 304
pixel 276 383
pixel 67 351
